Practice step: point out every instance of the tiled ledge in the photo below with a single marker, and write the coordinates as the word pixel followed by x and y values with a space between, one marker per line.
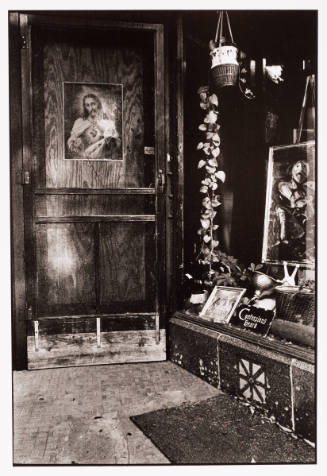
pixel 278 377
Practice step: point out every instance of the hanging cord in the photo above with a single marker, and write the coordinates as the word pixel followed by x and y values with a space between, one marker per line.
pixel 218 40
pixel 221 29
pixel 218 26
pixel 229 27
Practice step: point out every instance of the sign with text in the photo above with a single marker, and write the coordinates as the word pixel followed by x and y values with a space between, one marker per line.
pixel 253 318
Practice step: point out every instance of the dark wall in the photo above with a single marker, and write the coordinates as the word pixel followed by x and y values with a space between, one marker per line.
pixel 282 37
pixel 275 34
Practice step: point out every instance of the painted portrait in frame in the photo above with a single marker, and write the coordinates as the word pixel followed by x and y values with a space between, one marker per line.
pixel 221 304
pixel 93 121
pixel 289 225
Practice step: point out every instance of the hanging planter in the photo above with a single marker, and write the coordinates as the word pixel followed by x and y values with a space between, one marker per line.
pixel 226 67
pixel 224 63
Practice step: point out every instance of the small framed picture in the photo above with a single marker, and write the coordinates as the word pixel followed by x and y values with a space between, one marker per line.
pixel 289 226
pixel 221 304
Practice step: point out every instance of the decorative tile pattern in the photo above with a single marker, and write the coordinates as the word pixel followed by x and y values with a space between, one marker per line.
pixel 195 349
pixel 303 379
pixel 283 386
pixel 260 376
pixel 252 381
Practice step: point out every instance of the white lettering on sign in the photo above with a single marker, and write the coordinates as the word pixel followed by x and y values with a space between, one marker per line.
pixel 253 325
pixel 245 315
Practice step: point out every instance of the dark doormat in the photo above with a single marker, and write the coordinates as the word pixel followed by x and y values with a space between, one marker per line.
pixel 221 430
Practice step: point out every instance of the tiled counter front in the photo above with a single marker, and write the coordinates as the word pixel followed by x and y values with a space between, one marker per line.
pixel 284 385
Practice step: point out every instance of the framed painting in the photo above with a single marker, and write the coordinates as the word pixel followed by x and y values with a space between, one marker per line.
pixel 289 225
pixel 221 304
pixel 93 114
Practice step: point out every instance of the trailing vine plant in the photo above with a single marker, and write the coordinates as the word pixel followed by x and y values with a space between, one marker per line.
pixel 217 267
pixel 212 179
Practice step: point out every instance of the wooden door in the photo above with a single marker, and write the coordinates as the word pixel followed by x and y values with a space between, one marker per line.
pixel 94 193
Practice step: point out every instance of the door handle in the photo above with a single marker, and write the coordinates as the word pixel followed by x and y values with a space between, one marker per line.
pixel 161 180
pixel 25 177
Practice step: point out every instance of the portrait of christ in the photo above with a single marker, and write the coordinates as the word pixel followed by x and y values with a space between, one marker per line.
pixel 93 121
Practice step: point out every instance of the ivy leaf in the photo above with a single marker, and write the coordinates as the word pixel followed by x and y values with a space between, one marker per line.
pixel 206 214
pixel 215 227
pixel 205 224
pixel 210 170
pixel 216 138
pixel 211 127
pixel 204 105
pixel 215 243
pixel 213 99
pixel 206 202
pixel 214 186
pixel 213 162
pixel 206 238
pixel 206 181
pixel 215 202
pixel 204 189
pixel 210 135
pixel 215 152
pixel 201 164
pixel 203 92
pixel 202 127
pixel 200 146
pixel 249 93
pixel 221 175
pixel 211 118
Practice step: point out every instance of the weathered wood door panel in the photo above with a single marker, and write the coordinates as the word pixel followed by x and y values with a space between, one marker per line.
pixel 129 283
pixel 65 269
pixel 94 204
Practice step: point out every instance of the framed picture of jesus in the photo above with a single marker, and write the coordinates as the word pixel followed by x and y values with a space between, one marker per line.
pixel 93 121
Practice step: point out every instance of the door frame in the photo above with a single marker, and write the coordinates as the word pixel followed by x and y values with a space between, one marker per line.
pixel 22 227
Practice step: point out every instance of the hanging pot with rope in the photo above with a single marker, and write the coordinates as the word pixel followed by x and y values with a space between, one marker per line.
pixel 225 66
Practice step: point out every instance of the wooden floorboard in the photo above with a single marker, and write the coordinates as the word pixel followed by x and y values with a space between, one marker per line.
pixel 65 350
pixel 81 415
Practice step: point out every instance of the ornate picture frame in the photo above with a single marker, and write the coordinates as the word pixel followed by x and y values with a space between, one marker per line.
pixel 221 304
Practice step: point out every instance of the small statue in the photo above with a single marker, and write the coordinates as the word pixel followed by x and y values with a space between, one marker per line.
pixel 289 280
